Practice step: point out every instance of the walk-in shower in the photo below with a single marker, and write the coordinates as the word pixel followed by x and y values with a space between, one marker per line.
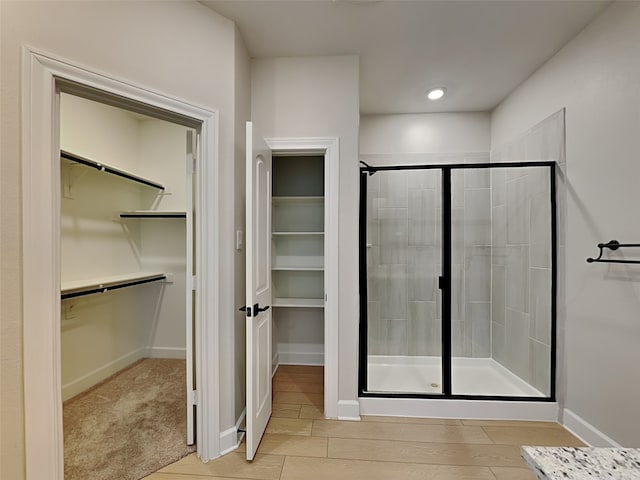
pixel 457 281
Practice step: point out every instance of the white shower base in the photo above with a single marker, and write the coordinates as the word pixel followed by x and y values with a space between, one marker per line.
pixel 470 376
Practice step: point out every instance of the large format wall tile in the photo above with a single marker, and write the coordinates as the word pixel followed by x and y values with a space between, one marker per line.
pixel 498 347
pixel 459 348
pixel 541 366
pixel 498 235
pixel 540 230
pixel 541 305
pixel 422 219
pixel 518 344
pixel 393 235
pixel 498 186
pixel 477 282
pixel 424 179
pixel 397 337
pixel 477 217
pixel 517 212
pixel 393 291
pixel 373 273
pixel 425 330
pixel 393 189
pixel 498 294
pixel 423 271
pixel 376 330
pixel 457 292
pixel 457 236
pixel 478 328
pixel 517 278
pixel 457 189
pixel 477 178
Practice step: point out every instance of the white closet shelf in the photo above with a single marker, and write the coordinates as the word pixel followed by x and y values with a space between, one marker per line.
pixel 77 288
pixel 298 199
pixel 299 302
pixel 152 214
pixel 297 233
pixel 103 167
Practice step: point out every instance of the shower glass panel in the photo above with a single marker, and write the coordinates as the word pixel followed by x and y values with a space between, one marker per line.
pixel 457 285
pixel 501 281
pixel 404 260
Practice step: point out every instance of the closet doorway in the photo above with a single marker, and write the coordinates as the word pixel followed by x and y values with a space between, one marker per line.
pixel 126 252
pixel 292 265
pixel 117 252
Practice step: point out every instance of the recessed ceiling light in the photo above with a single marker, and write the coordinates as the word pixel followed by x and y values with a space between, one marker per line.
pixel 436 93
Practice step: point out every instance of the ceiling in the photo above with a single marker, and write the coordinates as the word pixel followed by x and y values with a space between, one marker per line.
pixel 479 50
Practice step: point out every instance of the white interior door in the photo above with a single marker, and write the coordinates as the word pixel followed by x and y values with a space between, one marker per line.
pixel 192 149
pixel 258 244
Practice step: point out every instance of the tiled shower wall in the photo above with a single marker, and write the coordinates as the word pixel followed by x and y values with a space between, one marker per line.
pixel 501 255
pixel 404 211
pixel 521 273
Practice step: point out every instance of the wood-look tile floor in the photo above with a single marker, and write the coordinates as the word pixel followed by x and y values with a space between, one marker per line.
pixel 300 444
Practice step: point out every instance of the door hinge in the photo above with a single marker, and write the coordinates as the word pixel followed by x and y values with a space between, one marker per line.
pixel 191 164
pixel 193 397
pixel 192 152
pixel 194 283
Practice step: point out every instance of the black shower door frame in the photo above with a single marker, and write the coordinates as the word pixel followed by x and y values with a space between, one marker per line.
pixel 444 281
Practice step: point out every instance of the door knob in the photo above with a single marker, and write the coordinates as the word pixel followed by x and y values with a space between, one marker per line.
pixel 257 309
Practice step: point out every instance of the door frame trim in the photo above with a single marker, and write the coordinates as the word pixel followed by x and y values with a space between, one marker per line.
pixel 330 147
pixel 43 77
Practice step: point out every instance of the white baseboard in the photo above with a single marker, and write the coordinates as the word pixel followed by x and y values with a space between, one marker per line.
pixel 349 410
pixel 300 354
pixel 167 352
pixel 79 385
pixel 585 431
pixel 479 410
pixel 229 439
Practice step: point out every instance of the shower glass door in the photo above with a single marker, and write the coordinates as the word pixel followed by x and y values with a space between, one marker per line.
pixel 402 326
pixel 501 272
pixel 457 281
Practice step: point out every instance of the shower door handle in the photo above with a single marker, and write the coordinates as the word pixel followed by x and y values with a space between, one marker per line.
pixel 441 282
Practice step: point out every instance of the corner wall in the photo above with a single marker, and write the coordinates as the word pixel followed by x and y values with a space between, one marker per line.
pixel 182 49
pixel 597 78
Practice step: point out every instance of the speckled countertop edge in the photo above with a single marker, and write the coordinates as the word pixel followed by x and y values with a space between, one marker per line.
pixel 580 463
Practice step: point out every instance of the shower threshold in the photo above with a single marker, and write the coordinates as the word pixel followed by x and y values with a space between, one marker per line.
pixel 423 375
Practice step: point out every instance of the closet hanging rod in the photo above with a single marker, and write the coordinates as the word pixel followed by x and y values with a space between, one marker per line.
pixel 114 286
pixel 152 214
pixel 613 245
pixel 108 169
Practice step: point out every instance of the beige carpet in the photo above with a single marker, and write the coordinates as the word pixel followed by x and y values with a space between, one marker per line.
pixel 128 426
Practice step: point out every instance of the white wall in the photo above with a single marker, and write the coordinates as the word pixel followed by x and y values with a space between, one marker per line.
pixel 597 78
pixel 318 97
pixel 425 133
pixel 182 49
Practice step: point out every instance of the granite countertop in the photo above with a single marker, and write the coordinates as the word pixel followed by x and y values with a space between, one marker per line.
pixel 572 463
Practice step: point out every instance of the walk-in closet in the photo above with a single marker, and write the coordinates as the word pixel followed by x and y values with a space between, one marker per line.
pixel 298 259
pixel 125 258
